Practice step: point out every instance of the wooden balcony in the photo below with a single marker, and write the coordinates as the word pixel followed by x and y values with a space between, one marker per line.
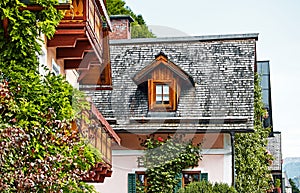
pixel 81 41
pixel 98 133
pixel 63 5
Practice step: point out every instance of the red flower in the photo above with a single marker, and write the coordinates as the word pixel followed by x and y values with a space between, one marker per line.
pixel 160 139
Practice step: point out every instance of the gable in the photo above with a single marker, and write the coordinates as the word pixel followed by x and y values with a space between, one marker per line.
pixel 162 69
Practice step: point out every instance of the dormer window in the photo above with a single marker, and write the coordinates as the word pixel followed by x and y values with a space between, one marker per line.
pixel 165 81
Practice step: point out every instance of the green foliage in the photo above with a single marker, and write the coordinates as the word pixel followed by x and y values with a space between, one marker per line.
pixel 277 183
pixel 252 159
pixel 139 29
pixel 39 150
pixel 207 187
pixel 165 159
pixel 294 187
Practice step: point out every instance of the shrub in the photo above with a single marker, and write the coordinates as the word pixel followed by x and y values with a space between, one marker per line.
pixel 207 187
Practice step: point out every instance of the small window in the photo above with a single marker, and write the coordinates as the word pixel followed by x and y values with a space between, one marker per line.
pixel 162 95
pixel 190 176
pixel 141 180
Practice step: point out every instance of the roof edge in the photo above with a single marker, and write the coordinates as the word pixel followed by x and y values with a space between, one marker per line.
pixel 122 17
pixel 186 38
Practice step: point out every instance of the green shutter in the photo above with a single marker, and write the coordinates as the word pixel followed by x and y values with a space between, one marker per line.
pixel 131 183
pixel 179 185
pixel 204 176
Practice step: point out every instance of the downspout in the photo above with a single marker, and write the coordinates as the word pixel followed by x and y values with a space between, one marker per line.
pixel 232 133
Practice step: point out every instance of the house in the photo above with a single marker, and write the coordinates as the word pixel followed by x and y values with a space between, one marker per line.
pixel 274 139
pixel 79 51
pixel 200 86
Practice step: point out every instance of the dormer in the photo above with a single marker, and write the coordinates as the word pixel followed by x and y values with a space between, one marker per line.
pixel 163 81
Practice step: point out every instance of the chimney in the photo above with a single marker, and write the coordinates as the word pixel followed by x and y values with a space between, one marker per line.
pixel 120 27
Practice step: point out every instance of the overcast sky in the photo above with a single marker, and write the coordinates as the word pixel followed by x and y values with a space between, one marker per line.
pixel 278 25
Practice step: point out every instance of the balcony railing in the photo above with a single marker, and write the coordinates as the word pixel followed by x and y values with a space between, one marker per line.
pixel 98 132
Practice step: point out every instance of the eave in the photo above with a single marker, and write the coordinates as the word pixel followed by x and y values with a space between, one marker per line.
pixel 161 59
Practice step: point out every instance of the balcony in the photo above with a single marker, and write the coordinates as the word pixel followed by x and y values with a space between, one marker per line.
pixel 63 5
pixel 81 42
pixel 98 133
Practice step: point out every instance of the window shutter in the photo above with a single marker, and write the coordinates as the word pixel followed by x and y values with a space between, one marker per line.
pixel 204 176
pixel 151 94
pixel 179 185
pixel 173 99
pixel 131 183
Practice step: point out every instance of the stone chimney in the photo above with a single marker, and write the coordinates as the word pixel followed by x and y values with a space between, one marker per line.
pixel 120 27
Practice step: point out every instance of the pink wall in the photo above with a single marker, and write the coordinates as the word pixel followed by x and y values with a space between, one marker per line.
pixel 214 165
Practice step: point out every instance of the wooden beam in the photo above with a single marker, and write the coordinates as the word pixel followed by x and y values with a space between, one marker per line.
pixel 66 39
pixel 76 52
pixel 88 59
pixel 64 6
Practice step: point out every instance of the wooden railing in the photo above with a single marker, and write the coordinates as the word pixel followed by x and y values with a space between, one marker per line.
pixel 98 132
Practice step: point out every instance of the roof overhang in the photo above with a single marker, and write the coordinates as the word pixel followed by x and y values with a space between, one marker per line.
pixel 161 59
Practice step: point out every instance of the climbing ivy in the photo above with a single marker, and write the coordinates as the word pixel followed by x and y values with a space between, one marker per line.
pixel 252 159
pixel 39 151
pixel 165 159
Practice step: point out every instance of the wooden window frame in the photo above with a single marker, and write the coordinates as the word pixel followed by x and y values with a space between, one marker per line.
pixel 153 106
pixel 137 173
pixel 190 173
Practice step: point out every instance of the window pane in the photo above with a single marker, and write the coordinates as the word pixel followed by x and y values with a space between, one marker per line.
pixel 158 89
pixel 265 97
pixel 265 68
pixel 265 82
pixel 158 99
pixel 141 179
pixel 196 177
pixel 166 99
pixel 166 89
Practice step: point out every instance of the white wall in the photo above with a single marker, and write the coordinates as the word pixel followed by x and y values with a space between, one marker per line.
pixel 215 162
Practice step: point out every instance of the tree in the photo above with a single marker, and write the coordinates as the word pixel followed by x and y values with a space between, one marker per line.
pixel 252 159
pixel 39 151
pixel 139 29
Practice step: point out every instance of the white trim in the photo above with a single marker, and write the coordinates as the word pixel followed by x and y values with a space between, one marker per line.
pixel 227 170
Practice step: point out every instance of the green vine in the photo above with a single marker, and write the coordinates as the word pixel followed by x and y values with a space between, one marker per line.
pixel 252 159
pixel 165 159
pixel 39 151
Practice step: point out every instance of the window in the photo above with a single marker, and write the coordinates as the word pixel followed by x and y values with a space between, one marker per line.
pixel 190 176
pixel 141 179
pixel 162 95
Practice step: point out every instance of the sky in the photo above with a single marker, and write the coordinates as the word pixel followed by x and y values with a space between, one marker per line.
pixel 278 25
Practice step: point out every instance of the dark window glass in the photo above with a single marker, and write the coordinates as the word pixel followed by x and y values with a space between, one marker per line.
pixel 191 177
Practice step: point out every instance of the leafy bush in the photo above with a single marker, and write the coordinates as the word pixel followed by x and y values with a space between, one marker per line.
pixel 207 187
pixel 165 159
pixel 39 151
